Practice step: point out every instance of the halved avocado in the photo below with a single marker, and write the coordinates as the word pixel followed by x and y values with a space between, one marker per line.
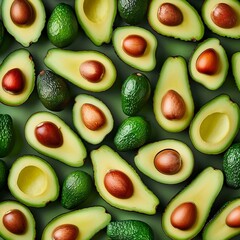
pixel 80 224
pixel 191 27
pixel 209 64
pixel 215 125
pixel 13 212
pixel 30 32
pixel 173 80
pixel 33 181
pixel 200 193
pixel 96 18
pixel 92 118
pixel 236 69
pixel 51 136
pixel 22 60
pixel 145 161
pixel 104 161
pixel 136 36
pixel 66 63
pixel 228 17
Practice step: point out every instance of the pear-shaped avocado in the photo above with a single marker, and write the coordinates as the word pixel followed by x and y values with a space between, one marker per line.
pixel 92 118
pixel 215 125
pixel 33 181
pixel 89 70
pixel 186 214
pixel 24 19
pixel 236 69
pixel 173 104
pixel 167 161
pixel 17 221
pixel 178 19
pixel 119 184
pixel 96 19
pixel 136 46
pixel 17 77
pixel 51 136
pixel 209 64
pixel 79 224
pixel 222 17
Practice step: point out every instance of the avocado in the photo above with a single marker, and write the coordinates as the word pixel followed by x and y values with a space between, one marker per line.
pixel 50 135
pixel 215 125
pixel 224 224
pixel 178 19
pixel 92 118
pixel 53 90
pixel 209 64
pixel 235 69
pixel 26 24
pixel 119 184
pixel 17 77
pixel 135 46
pixel 85 222
pixel 96 19
pixel 89 70
pixel 222 17
pixel 186 214
pixel 17 221
pixel 33 181
pixel 135 92
pixel 132 133
pixel 166 161
pixel 173 104
pixel 3 174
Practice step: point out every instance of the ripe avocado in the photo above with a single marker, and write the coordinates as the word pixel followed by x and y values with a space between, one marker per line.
pixel 77 66
pixel 235 68
pixel 51 136
pixel 15 89
pixel 135 46
pixel 173 105
pixel 85 222
pixel 215 125
pixel 33 181
pixel 96 19
pixel 201 193
pixel 178 19
pixel 106 161
pixel 209 64
pixel 25 31
pixel 13 212
pixel 146 157
pixel 92 118
pixel 222 18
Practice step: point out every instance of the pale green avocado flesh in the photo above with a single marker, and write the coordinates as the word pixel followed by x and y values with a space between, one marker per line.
pixel 235 68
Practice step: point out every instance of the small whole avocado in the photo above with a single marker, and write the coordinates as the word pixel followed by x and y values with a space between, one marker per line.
pixel 235 69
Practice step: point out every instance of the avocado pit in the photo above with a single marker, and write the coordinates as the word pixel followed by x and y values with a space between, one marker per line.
pixel 233 218
pixel 65 232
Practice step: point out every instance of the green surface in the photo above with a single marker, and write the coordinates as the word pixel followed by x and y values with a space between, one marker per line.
pixel 166 47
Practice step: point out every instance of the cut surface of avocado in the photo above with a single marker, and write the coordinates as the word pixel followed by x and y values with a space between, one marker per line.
pixel 144 160
pixel 236 69
pixel 202 192
pixel 66 63
pixel 96 18
pixel 190 28
pixel 88 222
pixel 33 181
pixel 92 118
pixel 173 77
pixel 215 125
pixel 22 60
pixel 217 77
pixel 146 61
pixel 142 200
pixel 71 149
pixel 29 33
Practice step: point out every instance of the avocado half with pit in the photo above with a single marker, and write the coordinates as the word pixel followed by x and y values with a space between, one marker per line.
pixel 176 18
pixel 215 125
pixel 33 181
pixel 235 68
pixel 26 26
pixel 96 19
pixel 17 77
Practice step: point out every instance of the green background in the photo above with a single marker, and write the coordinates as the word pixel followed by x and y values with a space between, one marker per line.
pixel 166 47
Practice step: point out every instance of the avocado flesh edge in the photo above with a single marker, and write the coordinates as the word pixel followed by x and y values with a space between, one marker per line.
pixel 235 68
